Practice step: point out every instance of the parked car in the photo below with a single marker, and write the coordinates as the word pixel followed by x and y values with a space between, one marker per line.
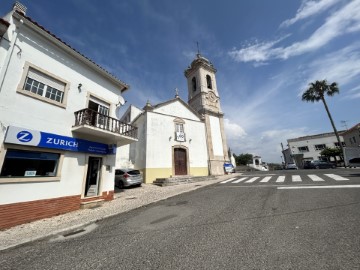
pixel 354 162
pixel 127 178
pixel 291 166
pixel 319 164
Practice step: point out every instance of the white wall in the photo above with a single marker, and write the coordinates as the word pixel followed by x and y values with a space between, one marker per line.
pixel 329 141
pixel 23 111
pixel 159 144
pixel 216 136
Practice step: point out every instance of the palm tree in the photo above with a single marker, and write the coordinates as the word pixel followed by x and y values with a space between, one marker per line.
pixel 316 92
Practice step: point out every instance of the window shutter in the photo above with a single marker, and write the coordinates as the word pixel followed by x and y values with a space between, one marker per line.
pixel 45 79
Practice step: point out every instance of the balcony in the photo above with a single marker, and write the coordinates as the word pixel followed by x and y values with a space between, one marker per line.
pixel 90 122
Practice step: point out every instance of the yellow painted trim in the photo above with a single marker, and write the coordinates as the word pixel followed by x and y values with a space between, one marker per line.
pixel 150 174
pixel 200 171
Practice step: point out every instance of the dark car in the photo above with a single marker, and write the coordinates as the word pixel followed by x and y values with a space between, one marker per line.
pixel 319 164
pixel 354 162
pixel 127 178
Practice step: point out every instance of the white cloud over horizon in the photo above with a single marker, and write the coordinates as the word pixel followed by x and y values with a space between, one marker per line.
pixel 344 21
pixel 309 8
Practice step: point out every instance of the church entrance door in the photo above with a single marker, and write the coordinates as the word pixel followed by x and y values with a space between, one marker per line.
pixel 180 161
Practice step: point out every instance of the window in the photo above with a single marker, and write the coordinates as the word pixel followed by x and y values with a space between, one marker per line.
pixel 44 86
pixel 319 147
pixel 179 127
pixel 193 83
pixel 303 149
pixel 179 130
pixel 38 84
pixel 21 163
pixel 208 81
pixel 337 144
pixel 102 109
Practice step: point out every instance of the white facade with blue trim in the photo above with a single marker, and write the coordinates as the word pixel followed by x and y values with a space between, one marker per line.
pixel 58 127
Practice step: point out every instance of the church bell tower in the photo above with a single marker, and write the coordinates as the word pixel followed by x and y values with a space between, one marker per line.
pixel 203 97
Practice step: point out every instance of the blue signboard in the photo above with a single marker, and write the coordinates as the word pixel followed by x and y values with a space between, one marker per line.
pixel 29 137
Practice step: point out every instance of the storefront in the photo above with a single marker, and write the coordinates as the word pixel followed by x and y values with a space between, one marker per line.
pixel 39 168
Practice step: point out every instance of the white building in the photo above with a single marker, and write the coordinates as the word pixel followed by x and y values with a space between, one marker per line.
pixel 172 142
pixel 309 147
pixel 178 138
pixel 58 129
pixel 352 136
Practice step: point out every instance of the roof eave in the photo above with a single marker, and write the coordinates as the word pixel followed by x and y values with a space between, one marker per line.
pixel 123 86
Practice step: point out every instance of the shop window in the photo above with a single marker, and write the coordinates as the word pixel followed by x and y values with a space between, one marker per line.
pixel 37 83
pixel 21 163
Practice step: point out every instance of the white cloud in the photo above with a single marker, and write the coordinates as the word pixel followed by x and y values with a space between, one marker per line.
pixel 233 131
pixel 344 21
pixel 308 9
pixel 342 66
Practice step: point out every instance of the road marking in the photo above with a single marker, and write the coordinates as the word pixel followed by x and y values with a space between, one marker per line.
pixel 266 179
pixel 223 182
pixel 280 179
pixel 336 177
pixel 296 178
pixel 251 180
pixel 239 180
pixel 315 178
pixel 309 187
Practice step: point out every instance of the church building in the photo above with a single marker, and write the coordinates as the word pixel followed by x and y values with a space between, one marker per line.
pixel 178 138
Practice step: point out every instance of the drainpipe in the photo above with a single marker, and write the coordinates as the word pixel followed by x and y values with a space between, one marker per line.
pixel 10 56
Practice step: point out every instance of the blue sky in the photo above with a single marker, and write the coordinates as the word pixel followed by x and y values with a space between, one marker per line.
pixel 266 54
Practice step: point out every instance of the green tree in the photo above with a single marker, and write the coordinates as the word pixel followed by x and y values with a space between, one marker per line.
pixel 331 152
pixel 317 92
pixel 243 159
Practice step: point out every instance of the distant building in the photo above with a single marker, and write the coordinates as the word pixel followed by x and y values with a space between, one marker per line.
pixel 309 147
pixel 352 136
pixel 58 127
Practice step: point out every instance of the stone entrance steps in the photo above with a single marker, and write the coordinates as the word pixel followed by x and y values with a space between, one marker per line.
pixel 176 180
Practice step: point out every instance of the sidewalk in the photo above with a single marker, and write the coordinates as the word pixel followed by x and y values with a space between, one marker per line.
pixel 124 200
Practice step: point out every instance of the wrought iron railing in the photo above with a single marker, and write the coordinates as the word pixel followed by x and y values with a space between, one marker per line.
pixel 93 118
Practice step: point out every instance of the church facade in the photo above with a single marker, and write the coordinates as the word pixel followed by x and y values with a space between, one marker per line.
pixel 177 138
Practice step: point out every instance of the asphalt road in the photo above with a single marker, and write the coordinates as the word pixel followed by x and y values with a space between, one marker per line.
pixel 300 223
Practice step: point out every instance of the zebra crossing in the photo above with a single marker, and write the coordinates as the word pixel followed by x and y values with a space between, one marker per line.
pixel 281 179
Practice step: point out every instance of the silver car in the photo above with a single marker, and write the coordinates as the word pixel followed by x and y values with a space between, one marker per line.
pixel 127 178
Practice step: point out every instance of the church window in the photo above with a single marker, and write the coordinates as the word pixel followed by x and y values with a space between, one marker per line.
pixel 193 82
pixel 179 127
pixel 208 80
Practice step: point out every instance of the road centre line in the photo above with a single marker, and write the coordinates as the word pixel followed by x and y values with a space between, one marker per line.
pixel 318 187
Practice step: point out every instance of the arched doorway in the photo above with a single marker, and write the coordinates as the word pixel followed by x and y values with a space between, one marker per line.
pixel 180 161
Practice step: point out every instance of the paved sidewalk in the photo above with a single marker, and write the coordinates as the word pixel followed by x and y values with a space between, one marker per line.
pixel 125 200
